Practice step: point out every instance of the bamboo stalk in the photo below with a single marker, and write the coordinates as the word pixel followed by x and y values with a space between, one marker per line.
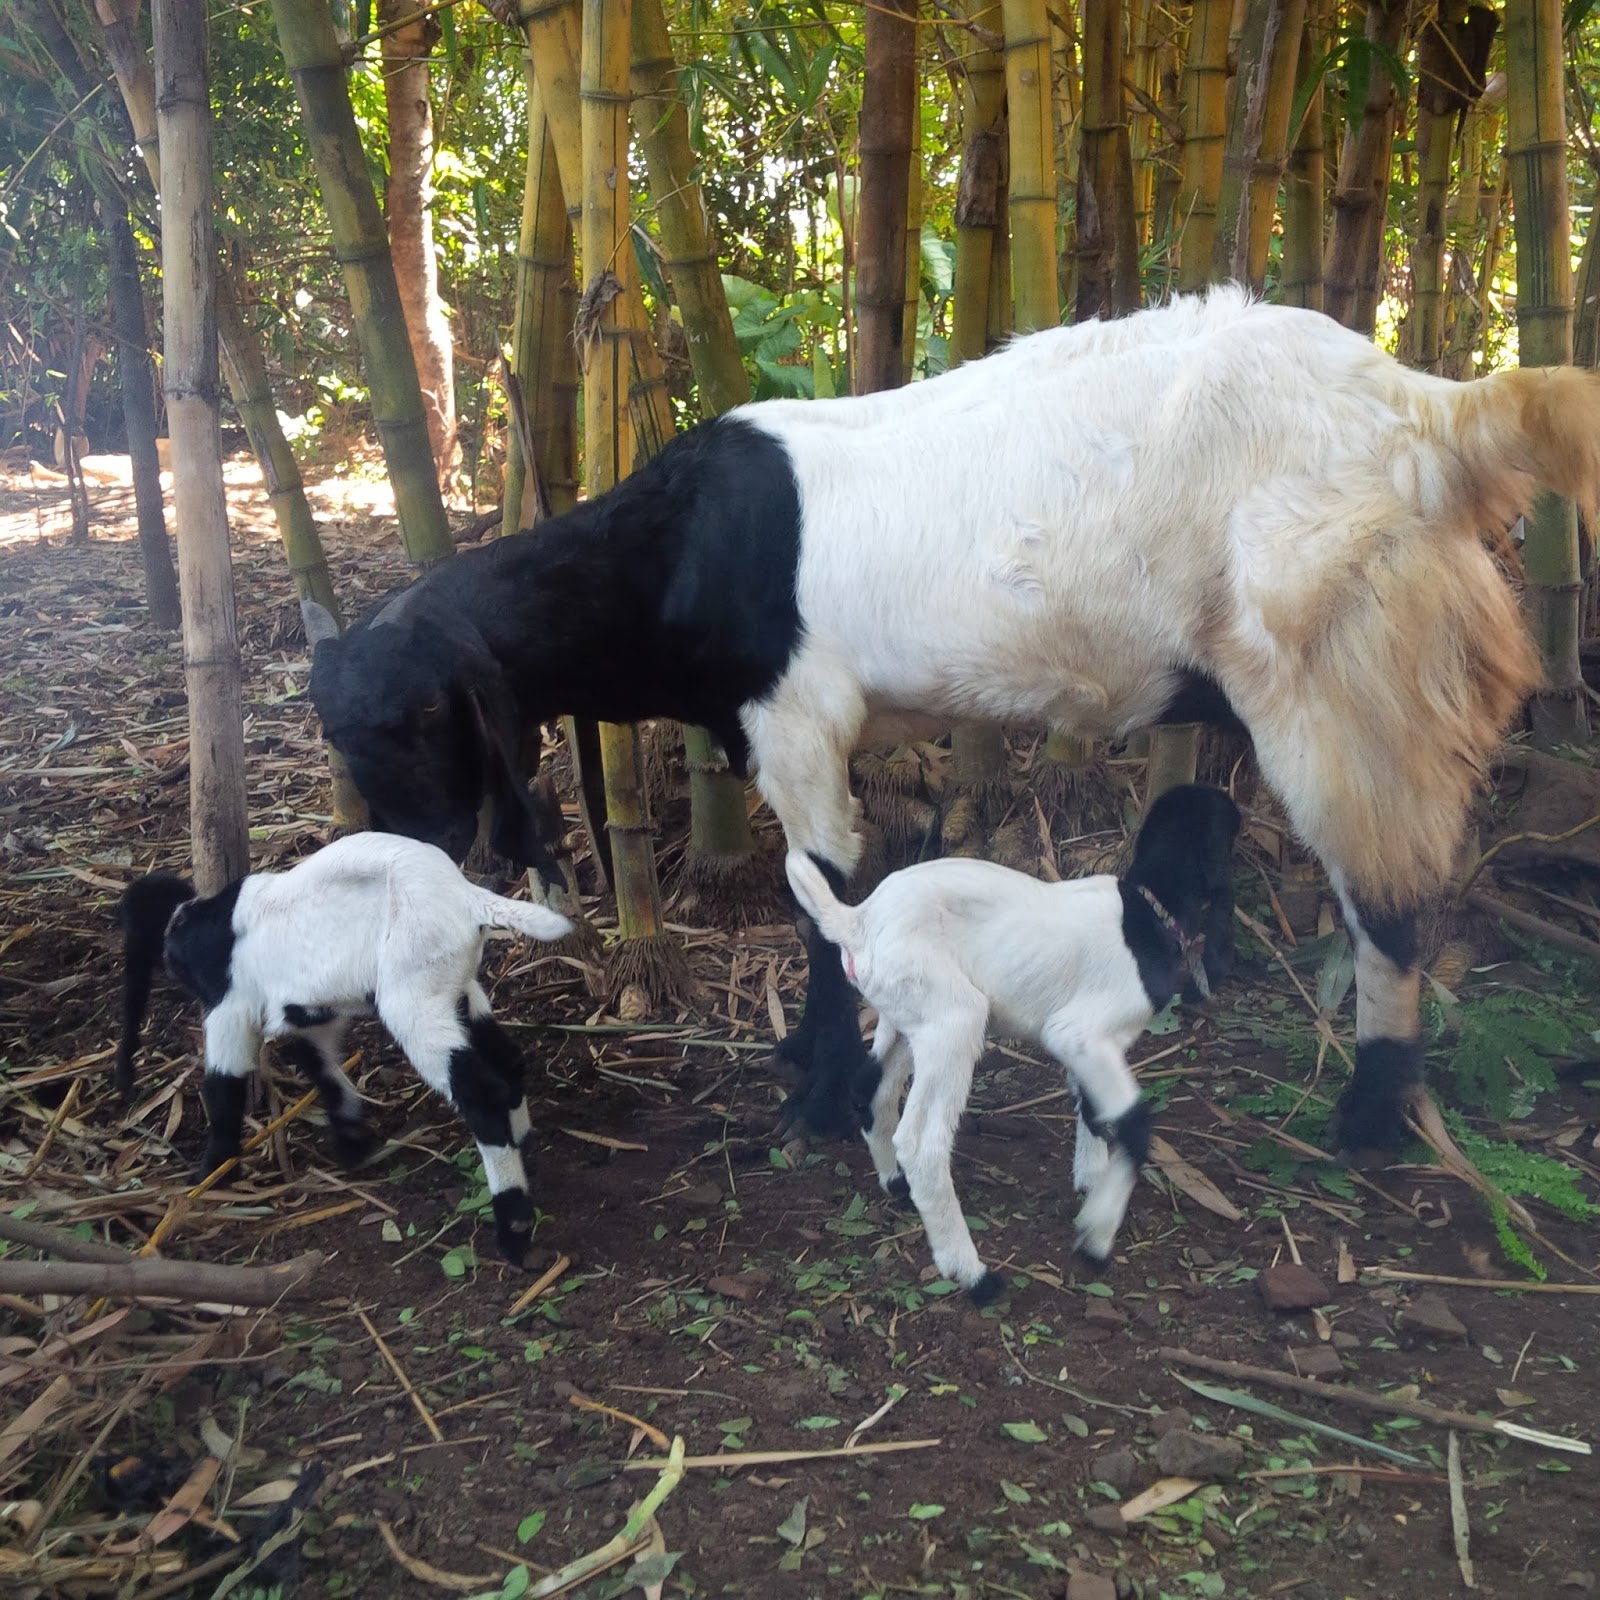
pixel 1257 147
pixel 218 819
pixel 315 63
pixel 1536 154
pixel 1300 283
pixel 888 106
pixel 150 1276
pixel 661 122
pixel 1205 137
pixel 1106 252
pixel 1355 252
pixel 1032 190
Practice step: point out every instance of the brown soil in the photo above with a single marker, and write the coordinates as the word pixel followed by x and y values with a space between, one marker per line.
pixel 738 1297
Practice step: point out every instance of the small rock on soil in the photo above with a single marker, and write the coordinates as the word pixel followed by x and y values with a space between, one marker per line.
pixel 1430 1318
pixel 1290 1287
pixel 1198 1455
pixel 1315 1361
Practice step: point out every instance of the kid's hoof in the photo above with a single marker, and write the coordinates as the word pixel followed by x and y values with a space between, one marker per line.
pixel 898 1189
pixel 987 1289
pixel 353 1144
pixel 513 1224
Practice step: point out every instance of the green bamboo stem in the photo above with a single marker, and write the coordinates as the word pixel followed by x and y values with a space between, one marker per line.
pixel 661 123
pixel 543 358
pixel 1205 137
pixel 1536 146
pixel 980 187
pixel 1032 190
pixel 315 63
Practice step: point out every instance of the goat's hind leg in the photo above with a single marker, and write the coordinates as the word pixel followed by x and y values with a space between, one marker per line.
pixel 441 1048
pixel 1371 1112
pixel 316 1052
pixel 892 1051
pixel 946 1046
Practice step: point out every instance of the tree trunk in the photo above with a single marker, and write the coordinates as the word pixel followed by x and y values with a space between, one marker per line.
pixel 1536 152
pixel 1205 138
pixel 1107 251
pixel 1300 283
pixel 406 84
pixel 1252 168
pixel 218 818
pixel 1586 294
pixel 315 63
pixel 1032 194
pixel 136 379
pixel 1360 204
pixel 888 105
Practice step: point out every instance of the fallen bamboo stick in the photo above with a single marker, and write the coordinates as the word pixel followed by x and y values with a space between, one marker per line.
pixel 1366 1400
pixel 58 1242
pixel 772 1458
pixel 1450 1281
pixel 137 1277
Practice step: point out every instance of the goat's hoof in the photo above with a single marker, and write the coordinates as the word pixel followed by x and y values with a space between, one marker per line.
pixel 898 1189
pixel 215 1156
pixel 1369 1130
pixel 353 1144
pixel 817 1109
pixel 513 1224
pixel 987 1289
pixel 1091 1252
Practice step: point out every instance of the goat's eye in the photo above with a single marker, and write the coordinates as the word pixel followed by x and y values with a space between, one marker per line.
pixel 431 709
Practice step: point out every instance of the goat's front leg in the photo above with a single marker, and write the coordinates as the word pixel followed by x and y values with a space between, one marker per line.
pixel 430 1031
pixel 945 1046
pixel 801 739
pixel 1371 1116
pixel 233 1047
pixel 317 1051
pixel 1113 1133
pixel 497 1047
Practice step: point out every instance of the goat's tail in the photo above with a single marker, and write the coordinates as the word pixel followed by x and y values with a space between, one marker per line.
pixel 145 910
pixel 1531 424
pixel 840 924
pixel 521 916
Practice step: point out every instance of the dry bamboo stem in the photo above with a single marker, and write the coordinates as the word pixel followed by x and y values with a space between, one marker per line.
pixel 400 1374
pixel 140 1277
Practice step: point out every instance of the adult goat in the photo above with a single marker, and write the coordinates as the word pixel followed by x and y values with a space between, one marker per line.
pixel 1216 506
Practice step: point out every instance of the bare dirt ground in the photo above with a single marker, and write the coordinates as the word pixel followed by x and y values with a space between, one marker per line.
pixel 418 1427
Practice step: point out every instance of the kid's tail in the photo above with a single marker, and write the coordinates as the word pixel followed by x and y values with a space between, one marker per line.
pixel 839 923
pixel 522 916
pixel 145 910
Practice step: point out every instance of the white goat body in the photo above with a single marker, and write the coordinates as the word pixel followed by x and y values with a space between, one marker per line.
pixel 372 924
pixel 945 949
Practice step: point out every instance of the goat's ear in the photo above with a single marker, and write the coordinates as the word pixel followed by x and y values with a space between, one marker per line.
pixel 321 624
pixel 526 827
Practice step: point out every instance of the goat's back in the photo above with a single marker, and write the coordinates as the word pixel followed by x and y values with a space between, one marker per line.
pixel 1036 950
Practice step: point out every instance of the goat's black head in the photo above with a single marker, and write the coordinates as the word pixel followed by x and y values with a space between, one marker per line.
pixel 428 726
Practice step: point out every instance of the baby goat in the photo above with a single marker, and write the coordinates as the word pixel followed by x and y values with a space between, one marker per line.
pixel 1081 967
pixel 373 924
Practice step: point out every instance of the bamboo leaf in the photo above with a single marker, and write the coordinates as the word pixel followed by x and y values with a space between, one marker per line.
pixel 1265 1408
